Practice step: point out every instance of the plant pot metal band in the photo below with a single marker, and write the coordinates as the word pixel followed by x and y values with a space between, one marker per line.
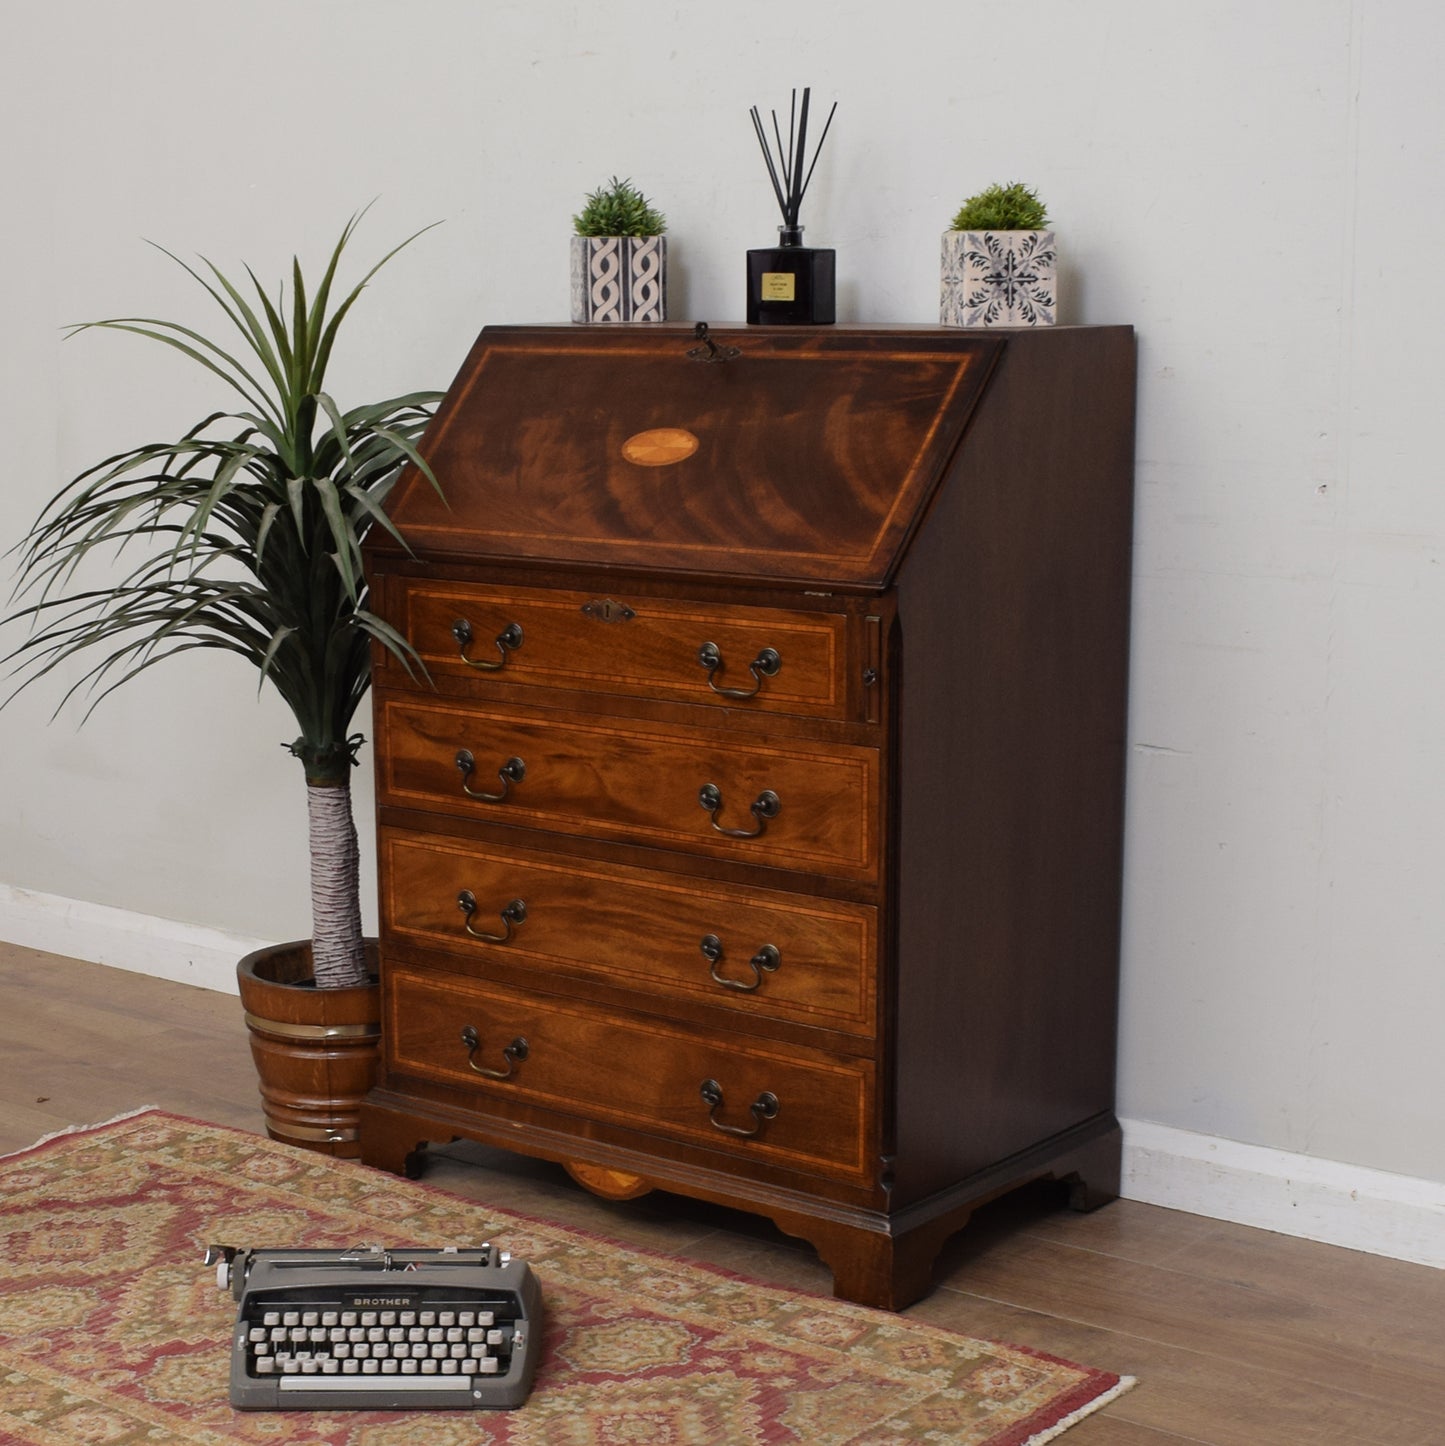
pixel 313 1031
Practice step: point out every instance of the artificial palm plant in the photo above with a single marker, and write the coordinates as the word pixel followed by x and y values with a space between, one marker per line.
pixel 250 526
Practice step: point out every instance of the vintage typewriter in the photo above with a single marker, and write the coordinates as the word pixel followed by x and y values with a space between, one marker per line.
pixel 380 1330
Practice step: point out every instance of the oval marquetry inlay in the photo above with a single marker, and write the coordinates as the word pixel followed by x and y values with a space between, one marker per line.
pixel 659 447
pixel 608 1183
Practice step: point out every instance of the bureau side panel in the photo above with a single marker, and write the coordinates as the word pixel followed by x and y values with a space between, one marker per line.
pixel 1012 646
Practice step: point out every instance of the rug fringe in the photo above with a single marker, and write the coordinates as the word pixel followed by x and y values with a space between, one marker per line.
pixel 1074 1417
pixel 79 1130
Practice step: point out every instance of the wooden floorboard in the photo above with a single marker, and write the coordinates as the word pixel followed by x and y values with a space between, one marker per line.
pixel 1238 1337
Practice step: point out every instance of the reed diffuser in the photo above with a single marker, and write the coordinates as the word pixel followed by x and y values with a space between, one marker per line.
pixel 791 284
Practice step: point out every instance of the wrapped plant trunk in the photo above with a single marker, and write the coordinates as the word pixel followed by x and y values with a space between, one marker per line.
pixel 336 947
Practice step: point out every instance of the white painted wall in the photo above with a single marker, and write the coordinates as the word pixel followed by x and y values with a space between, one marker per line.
pixel 1254 185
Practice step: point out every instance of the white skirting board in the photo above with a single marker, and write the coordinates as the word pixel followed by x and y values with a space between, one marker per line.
pixel 1348 1205
pixel 100 934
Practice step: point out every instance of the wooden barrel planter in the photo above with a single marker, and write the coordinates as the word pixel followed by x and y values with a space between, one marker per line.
pixel 315 1049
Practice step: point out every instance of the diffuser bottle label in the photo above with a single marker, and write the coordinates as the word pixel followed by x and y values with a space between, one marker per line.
pixel 778 286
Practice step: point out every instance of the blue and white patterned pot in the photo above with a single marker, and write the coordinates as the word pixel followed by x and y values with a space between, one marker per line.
pixel 619 278
pixel 998 278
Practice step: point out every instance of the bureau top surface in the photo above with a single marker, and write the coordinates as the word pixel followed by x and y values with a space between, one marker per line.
pixel 805 456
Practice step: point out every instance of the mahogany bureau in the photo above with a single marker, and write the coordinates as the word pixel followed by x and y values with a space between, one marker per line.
pixel 754 830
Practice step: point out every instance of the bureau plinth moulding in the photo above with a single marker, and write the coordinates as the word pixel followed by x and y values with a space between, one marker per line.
pixel 756 833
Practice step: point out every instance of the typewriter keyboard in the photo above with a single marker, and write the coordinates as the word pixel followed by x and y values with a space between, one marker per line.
pixel 423 1345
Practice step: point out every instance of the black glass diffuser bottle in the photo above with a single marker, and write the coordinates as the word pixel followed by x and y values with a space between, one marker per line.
pixel 791 284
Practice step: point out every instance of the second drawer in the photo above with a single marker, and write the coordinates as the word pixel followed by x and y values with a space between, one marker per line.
pixel 810 807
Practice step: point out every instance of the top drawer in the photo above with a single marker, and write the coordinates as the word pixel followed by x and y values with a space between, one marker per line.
pixel 772 660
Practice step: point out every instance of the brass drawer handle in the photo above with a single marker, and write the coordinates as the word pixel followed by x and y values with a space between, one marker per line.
pixel 765 806
pixel 765 665
pixel 766 958
pixel 514 914
pixel 514 1053
pixel 763 1109
pixel 508 640
pixel 514 770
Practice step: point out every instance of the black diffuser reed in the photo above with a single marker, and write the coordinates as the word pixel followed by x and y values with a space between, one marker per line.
pixel 791 283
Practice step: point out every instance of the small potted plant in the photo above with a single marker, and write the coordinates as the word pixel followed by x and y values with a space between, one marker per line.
pixel 247 533
pixel 999 262
pixel 619 257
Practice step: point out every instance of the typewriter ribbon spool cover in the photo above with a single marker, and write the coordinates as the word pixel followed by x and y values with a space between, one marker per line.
pixel 380 1330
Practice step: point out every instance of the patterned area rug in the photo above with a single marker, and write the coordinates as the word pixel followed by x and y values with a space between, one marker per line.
pixel 111 1329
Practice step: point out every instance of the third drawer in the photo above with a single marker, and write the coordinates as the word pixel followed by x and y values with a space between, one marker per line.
pixel 765 953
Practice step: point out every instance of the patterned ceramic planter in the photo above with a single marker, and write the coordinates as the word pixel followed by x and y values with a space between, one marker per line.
pixel 998 278
pixel 619 278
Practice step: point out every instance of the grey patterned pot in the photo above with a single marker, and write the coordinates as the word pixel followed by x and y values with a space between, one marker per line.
pixel 619 278
pixel 998 278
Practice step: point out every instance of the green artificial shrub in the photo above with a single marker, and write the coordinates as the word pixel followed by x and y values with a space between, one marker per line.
pixel 1002 208
pixel 619 209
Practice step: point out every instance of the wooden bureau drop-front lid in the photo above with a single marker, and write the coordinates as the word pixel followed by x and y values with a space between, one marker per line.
pixel 806 456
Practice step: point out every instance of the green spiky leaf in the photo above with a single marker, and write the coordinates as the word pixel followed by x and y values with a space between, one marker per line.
pixel 246 532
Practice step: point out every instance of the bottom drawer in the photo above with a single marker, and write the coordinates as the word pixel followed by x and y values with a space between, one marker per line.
pixel 760 1100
